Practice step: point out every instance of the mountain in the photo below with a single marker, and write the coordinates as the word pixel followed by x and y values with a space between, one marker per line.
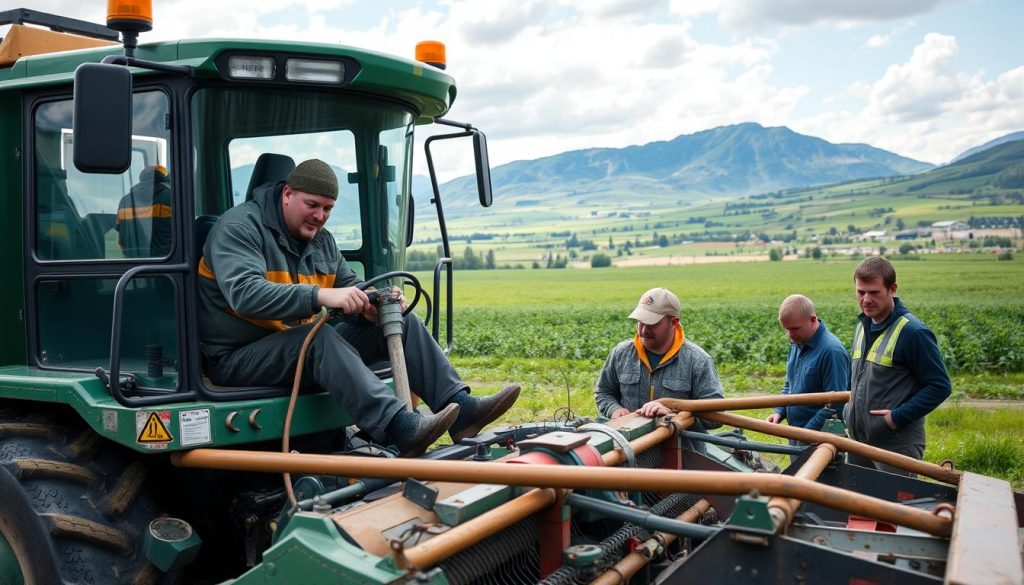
pixel 728 161
pixel 989 144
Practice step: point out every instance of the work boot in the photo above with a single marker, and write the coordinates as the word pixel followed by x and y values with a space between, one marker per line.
pixel 479 412
pixel 413 432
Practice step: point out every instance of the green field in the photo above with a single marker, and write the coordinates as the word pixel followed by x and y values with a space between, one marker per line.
pixel 552 329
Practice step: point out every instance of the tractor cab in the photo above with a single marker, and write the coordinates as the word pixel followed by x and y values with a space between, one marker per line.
pixel 129 158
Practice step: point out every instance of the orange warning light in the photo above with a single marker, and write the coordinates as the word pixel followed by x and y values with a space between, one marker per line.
pixel 431 53
pixel 130 15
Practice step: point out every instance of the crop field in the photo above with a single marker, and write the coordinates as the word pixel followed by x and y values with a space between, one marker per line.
pixel 551 330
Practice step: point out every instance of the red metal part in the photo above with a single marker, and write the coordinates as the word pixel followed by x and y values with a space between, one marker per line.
pixel 862 523
pixel 535 457
pixel 555 535
pixel 589 455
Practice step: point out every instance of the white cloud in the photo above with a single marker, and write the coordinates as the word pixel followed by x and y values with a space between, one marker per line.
pixel 747 15
pixel 878 41
pixel 542 77
pixel 926 108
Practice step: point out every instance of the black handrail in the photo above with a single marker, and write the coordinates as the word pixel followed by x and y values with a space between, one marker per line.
pixel 115 340
pixel 435 326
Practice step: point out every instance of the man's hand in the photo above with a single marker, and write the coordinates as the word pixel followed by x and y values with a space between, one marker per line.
pixel 371 313
pixel 350 300
pixel 619 412
pixel 653 409
pixel 888 417
pixel 774 418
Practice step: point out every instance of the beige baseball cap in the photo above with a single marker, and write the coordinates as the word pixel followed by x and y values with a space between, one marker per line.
pixel 655 305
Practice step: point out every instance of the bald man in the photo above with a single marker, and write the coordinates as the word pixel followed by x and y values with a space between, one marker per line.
pixel 817 362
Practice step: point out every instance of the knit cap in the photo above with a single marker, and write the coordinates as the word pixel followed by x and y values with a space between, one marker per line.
pixel 316 177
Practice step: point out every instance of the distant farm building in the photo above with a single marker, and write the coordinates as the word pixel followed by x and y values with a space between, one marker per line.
pixel 951 230
pixel 873 236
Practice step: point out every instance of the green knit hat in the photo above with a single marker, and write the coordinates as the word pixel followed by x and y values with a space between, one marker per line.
pixel 316 177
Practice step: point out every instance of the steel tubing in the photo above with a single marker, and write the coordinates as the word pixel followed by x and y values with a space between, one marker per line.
pixel 465 535
pixel 562 476
pixel 752 402
pixel 931 470
pixel 782 509
pixel 630 564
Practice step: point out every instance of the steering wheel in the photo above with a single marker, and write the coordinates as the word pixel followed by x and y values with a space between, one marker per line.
pixel 408 278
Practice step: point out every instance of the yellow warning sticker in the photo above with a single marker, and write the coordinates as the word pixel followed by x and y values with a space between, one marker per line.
pixel 152 428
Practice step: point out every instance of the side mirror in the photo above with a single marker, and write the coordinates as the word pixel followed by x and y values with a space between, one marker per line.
pixel 483 168
pixel 103 118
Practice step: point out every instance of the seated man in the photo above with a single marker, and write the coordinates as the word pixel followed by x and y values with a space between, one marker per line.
pixel 659 362
pixel 268 267
pixel 144 216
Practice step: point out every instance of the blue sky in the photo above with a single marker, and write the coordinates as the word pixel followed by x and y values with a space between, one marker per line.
pixel 923 78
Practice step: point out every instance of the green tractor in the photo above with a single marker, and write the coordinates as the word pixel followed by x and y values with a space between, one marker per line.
pixel 121 463
pixel 100 370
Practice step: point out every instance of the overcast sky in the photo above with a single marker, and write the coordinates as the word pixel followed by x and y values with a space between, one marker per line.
pixel 923 78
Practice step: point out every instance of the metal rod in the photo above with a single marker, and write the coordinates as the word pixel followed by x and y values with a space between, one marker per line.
pixel 683 420
pixel 561 476
pixel 752 402
pixel 742 444
pixel 399 373
pixel 642 518
pixel 931 470
pixel 461 537
pixel 782 508
pixel 630 564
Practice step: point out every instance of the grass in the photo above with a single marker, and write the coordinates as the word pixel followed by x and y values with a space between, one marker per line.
pixel 550 330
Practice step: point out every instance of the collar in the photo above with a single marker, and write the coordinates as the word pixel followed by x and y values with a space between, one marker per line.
pixel 816 338
pixel 898 310
pixel 680 339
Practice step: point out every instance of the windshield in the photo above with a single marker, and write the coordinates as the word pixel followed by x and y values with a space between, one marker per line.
pixel 246 138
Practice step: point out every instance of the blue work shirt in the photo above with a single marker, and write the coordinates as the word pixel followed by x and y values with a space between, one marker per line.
pixel 821 365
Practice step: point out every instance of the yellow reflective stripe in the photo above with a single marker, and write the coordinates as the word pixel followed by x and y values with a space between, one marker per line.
pixel 145 212
pixel 890 346
pixel 204 269
pixel 858 341
pixel 284 277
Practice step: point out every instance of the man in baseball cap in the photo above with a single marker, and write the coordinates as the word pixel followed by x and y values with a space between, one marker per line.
pixel 658 362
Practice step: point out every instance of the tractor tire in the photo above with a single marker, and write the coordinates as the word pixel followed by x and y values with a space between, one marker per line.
pixel 72 505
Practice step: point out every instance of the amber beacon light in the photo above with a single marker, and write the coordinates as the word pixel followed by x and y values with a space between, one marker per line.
pixel 133 16
pixel 431 53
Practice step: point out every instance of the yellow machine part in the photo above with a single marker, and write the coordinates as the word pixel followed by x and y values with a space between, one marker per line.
pixel 22 41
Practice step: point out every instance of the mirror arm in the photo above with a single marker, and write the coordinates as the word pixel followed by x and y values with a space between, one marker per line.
pixel 186 70
pixel 454 124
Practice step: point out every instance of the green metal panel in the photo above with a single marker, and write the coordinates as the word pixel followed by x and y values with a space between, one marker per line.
pixel 187 425
pixel 311 547
pixel 429 90
pixel 12 296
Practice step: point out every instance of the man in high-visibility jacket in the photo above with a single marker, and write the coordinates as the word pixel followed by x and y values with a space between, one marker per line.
pixel 897 375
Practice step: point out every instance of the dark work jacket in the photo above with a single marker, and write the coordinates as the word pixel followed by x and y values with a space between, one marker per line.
pixel 821 365
pixel 896 365
pixel 253 282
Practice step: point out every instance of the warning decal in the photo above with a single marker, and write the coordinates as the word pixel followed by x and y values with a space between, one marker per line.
pixel 153 428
